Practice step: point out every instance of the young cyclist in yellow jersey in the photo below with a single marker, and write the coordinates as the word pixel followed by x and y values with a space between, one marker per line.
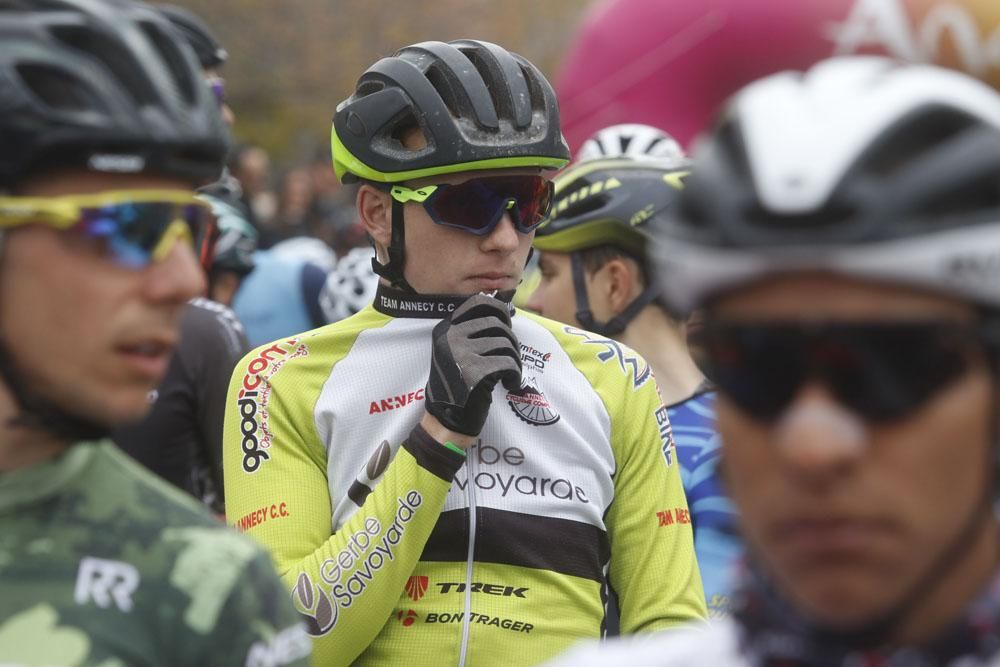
pixel 443 479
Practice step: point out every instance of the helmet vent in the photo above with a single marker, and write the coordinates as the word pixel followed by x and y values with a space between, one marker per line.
pixel 499 94
pixel 56 89
pixel 404 129
pixel 832 215
pixel 366 88
pixel 927 130
pixel 174 60
pixel 117 61
pixel 442 84
pixel 583 207
pixel 978 196
pixel 730 142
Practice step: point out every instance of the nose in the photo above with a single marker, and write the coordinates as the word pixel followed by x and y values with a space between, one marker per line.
pixel 504 238
pixel 176 278
pixel 818 439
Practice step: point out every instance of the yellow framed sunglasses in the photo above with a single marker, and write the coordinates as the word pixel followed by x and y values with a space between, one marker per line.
pixel 137 226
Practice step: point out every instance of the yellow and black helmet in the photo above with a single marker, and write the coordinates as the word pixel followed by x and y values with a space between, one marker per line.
pixel 608 202
pixel 479 107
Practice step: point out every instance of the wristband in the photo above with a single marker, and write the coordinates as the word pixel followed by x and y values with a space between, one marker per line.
pixel 453 447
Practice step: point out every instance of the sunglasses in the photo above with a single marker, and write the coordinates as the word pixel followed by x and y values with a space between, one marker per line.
pixel 135 226
pixel 882 371
pixel 477 205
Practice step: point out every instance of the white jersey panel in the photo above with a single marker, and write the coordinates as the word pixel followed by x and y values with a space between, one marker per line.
pixel 543 450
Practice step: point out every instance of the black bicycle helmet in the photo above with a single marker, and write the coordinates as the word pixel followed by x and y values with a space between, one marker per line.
pixel 105 85
pixel 237 240
pixel 478 105
pixel 201 38
pixel 861 166
pixel 608 202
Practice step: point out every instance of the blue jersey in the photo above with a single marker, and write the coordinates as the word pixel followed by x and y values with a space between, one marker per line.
pixel 279 298
pixel 717 542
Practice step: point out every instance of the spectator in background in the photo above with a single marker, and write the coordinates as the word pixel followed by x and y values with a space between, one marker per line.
pixel 251 166
pixel 332 214
pixel 292 216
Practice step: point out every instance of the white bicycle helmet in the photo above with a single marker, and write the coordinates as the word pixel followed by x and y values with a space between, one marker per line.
pixel 631 140
pixel 350 286
pixel 862 166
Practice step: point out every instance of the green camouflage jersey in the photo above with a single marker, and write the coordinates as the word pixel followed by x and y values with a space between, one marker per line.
pixel 102 564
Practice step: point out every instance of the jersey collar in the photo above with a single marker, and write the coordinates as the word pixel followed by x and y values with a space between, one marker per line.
pixel 397 303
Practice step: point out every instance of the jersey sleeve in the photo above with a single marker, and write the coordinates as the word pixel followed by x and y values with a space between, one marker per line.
pixel 343 584
pixel 717 540
pixel 653 568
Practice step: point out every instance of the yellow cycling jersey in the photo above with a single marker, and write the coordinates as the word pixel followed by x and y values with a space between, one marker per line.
pixel 398 550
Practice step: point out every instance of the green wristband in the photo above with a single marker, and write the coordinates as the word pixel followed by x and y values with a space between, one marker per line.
pixel 453 447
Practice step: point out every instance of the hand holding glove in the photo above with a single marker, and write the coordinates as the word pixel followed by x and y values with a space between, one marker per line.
pixel 473 349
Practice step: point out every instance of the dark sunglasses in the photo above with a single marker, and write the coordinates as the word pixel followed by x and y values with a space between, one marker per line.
pixel 136 226
pixel 477 205
pixel 880 371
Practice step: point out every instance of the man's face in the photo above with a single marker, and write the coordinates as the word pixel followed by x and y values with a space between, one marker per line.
pixel 90 335
pixel 554 297
pixel 847 516
pixel 445 260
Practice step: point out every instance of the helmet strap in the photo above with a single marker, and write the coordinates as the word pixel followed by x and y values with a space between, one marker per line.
pixel 585 316
pixel 392 270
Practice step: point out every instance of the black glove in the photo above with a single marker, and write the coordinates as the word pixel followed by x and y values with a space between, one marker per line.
pixel 472 350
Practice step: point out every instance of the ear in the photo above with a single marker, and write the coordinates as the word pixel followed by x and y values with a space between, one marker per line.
pixel 622 284
pixel 375 212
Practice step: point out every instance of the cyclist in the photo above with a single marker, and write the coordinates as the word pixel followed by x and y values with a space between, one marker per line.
pixel 672 63
pixel 838 226
pixel 596 275
pixel 282 295
pixel 233 259
pixel 100 562
pixel 535 457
